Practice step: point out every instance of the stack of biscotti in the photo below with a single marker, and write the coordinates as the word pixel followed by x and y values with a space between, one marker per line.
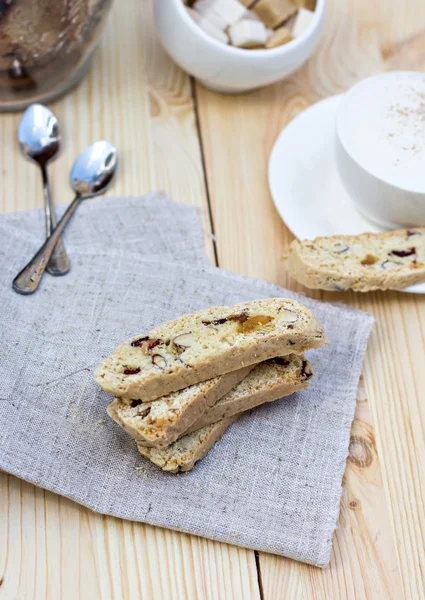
pixel 180 386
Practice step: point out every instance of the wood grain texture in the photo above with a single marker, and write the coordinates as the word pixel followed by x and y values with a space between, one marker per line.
pixel 379 544
pixel 49 546
pixel 52 548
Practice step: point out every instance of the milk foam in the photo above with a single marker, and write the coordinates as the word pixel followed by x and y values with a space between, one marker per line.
pixel 381 124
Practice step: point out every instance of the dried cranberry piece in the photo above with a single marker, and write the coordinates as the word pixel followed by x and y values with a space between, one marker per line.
pixel 135 403
pixel 281 361
pixel 132 371
pixel 215 322
pixel 139 342
pixel 240 318
pixel 403 253
pixel 154 344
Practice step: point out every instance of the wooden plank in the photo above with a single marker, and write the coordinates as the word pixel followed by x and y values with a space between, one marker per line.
pixel 49 546
pixel 54 548
pixel 364 563
pixel 379 545
pixel 396 385
pixel 176 151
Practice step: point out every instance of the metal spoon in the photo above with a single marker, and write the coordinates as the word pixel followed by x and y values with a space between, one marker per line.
pixel 91 175
pixel 39 139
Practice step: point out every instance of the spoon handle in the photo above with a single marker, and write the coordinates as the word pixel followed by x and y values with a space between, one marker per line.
pixel 59 262
pixel 28 280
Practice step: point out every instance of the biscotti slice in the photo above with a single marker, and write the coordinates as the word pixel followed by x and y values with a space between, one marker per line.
pixel 370 261
pixel 269 381
pixel 161 422
pixel 206 344
pixel 185 452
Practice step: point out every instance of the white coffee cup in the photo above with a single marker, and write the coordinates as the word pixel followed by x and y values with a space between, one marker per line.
pixel 380 147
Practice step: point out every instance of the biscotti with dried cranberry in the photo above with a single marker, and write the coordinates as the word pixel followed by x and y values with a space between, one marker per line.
pixel 160 422
pixel 185 452
pixel 267 382
pixel 391 260
pixel 208 343
pixel 273 379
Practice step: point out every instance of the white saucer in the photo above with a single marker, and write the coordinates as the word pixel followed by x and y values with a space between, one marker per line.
pixel 304 182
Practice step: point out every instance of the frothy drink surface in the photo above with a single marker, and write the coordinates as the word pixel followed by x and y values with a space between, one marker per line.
pixel 383 128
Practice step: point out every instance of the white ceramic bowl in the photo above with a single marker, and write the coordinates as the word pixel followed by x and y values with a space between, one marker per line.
pixel 374 185
pixel 224 68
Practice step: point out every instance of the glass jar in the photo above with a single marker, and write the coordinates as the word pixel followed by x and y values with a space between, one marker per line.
pixel 46 47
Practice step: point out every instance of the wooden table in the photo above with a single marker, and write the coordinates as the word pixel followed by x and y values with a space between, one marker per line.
pixel 211 151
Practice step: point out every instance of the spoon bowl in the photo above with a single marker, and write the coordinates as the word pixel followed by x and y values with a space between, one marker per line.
pixel 39 139
pixel 94 169
pixel 91 175
pixel 39 134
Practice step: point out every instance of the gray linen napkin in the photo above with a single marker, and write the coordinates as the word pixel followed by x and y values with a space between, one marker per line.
pixel 150 225
pixel 273 483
